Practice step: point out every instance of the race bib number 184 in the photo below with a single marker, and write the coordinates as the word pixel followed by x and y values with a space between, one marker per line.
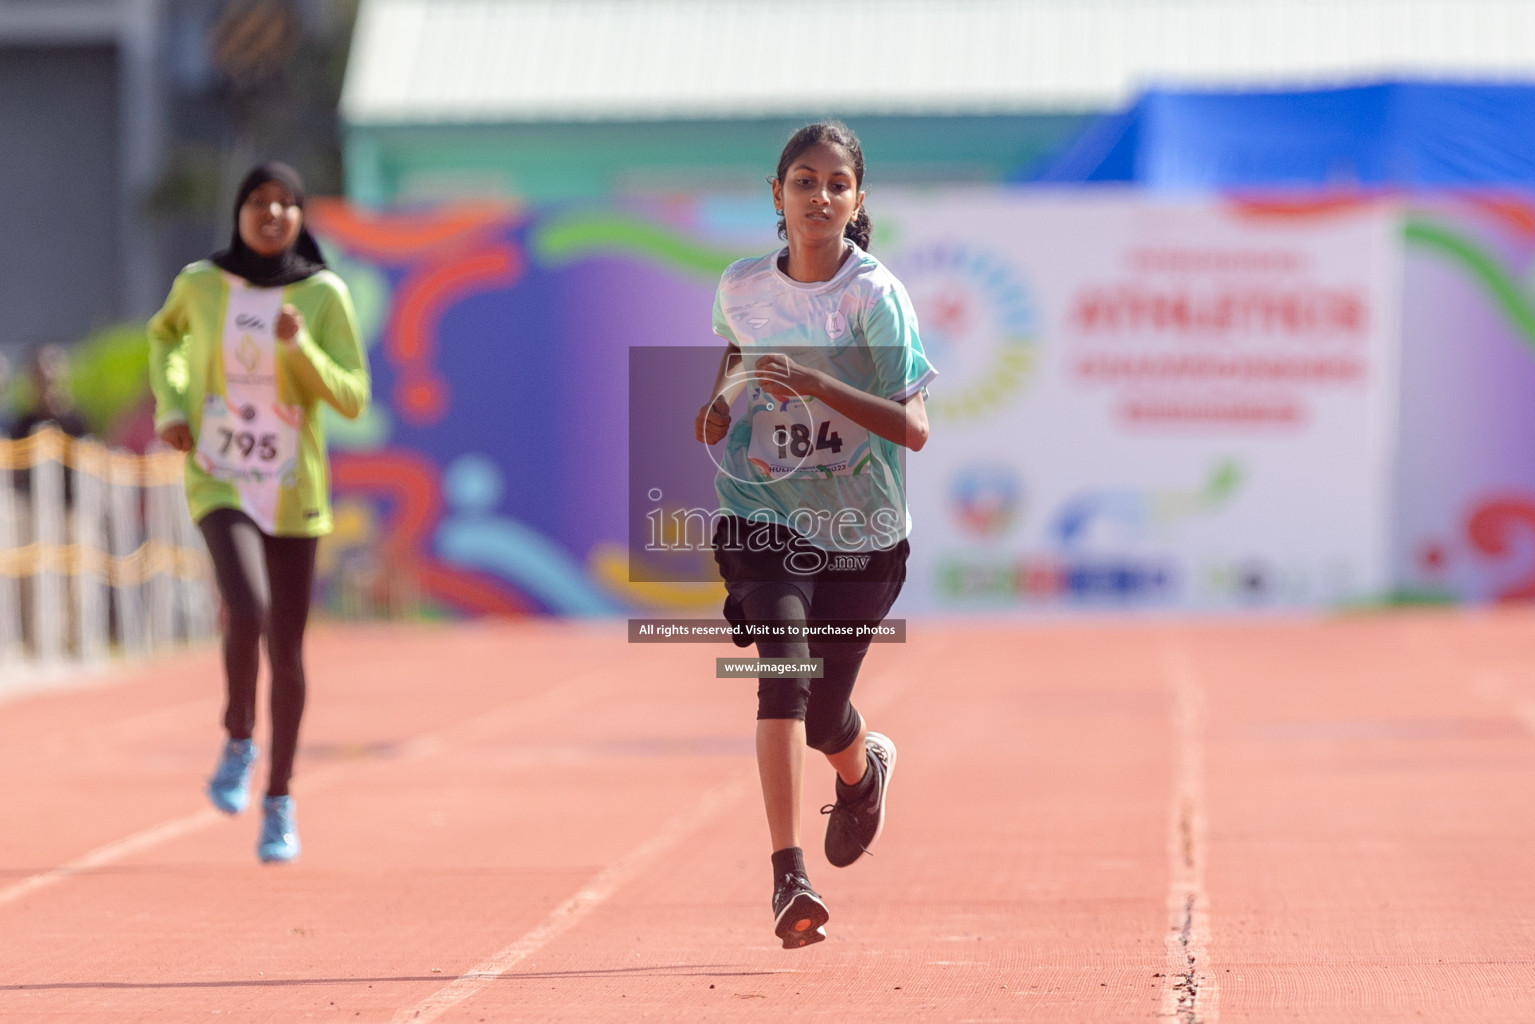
pixel 796 437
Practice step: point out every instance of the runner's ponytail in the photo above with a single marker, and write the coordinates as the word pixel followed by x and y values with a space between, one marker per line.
pixel 859 228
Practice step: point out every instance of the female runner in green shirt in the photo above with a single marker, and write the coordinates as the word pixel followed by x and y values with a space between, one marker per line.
pixel 245 349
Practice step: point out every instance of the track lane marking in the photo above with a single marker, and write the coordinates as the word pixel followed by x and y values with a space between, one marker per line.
pixel 111 853
pixel 478 726
pixel 598 890
pixel 893 681
pixel 1190 993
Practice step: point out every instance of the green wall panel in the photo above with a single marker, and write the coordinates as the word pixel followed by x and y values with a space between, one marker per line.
pixel 388 164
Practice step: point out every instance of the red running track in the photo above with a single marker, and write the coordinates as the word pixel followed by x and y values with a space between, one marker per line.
pixel 1286 820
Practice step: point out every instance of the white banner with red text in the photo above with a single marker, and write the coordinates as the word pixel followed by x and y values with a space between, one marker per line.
pixel 1142 403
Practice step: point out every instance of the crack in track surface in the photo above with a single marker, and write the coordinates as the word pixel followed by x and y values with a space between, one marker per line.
pixel 1189 995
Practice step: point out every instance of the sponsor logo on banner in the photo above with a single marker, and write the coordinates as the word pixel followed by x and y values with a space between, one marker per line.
pixel 1094 537
pixel 1131 515
pixel 978 325
pixel 1046 578
pixel 986 500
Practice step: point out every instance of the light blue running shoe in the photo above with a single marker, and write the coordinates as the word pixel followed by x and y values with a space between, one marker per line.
pixel 279 832
pixel 229 789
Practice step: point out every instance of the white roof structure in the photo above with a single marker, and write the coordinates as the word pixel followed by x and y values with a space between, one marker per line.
pixel 470 61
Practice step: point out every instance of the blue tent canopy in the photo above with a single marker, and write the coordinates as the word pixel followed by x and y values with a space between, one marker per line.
pixel 1399 133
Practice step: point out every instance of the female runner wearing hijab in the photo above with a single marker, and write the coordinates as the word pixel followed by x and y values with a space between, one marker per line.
pixel 245 349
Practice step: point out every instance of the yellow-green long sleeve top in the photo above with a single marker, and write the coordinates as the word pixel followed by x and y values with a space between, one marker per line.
pixel 186 364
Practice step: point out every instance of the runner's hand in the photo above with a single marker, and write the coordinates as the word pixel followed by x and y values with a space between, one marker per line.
pixel 712 421
pixel 289 322
pixel 178 436
pixel 783 378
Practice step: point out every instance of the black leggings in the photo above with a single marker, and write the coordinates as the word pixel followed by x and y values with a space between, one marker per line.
pixel 825 704
pixel 757 563
pixel 265 583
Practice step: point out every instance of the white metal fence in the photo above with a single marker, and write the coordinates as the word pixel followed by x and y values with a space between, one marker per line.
pixel 97 554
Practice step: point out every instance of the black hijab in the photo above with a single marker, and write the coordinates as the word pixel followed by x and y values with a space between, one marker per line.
pixel 300 260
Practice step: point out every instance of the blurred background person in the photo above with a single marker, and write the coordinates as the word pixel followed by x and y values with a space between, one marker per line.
pixel 247 347
pixel 49 399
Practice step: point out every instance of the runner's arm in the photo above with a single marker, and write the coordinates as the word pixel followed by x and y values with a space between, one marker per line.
pixel 903 421
pixel 328 363
pixel 168 374
pixel 714 418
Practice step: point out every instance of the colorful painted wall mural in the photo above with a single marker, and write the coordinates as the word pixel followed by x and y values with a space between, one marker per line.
pixel 1364 439
pixel 489 474
pixel 1465 483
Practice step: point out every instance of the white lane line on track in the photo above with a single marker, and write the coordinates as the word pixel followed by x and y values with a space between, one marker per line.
pixel 610 879
pixel 1190 994
pixel 536 707
pixel 588 898
pixel 110 854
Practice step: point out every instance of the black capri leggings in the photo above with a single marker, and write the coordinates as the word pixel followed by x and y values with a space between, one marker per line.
pixel 265 583
pixel 760 589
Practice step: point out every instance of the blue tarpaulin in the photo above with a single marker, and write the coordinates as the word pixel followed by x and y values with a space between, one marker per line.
pixel 1399 133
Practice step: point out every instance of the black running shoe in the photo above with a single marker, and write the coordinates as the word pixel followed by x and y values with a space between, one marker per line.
pixel 799 914
pixel 854 826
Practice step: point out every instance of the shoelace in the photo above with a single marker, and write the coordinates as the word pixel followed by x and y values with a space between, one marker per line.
pixel 828 808
pixel 790 879
pixel 847 809
pixel 855 815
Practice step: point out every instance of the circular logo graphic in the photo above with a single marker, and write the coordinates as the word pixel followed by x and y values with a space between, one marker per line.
pixel 797 421
pixel 978 326
pixel 836 324
pixel 987 499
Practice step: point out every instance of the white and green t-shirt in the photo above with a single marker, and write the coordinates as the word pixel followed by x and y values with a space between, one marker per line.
pixel 800 463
